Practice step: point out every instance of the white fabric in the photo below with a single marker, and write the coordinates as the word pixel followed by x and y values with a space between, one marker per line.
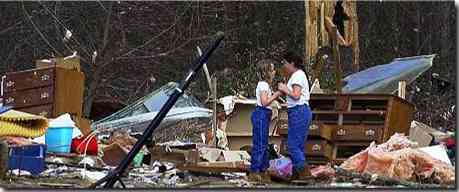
pixel 262 86
pixel 298 78
pixel 228 104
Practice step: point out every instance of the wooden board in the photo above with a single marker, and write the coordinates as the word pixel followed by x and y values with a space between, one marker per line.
pixel 60 62
pixel 83 124
pixel 69 92
pixel 399 118
pixel 215 167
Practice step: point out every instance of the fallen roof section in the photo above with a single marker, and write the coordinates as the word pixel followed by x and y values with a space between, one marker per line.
pixel 146 108
pixel 385 78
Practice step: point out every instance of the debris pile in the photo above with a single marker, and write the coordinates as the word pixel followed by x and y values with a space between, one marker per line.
pixel 399 159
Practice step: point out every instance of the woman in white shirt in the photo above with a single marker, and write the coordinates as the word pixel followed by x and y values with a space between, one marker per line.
pixel 299 113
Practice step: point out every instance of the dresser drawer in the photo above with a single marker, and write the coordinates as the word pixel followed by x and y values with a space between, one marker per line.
pixel 312 148
pixel 357 133
pixel 27 98
pixel 43 110
pixel 318 148
pixel 315 130
pixel 22 80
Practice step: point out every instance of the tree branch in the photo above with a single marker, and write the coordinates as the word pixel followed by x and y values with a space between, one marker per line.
pixel 38 30
pixel 11 27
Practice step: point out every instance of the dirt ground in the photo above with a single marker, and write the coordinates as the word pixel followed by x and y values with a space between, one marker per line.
pixel 197 182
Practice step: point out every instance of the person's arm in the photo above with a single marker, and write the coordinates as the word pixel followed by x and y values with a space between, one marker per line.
pixel 295 94
pixel 266 100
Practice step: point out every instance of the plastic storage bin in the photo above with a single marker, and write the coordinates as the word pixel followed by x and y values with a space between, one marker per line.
pixel 59 139
pixel 28 157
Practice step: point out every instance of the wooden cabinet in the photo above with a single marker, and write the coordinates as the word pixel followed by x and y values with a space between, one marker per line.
pixel 29 79
pixel 46 91
pixel 348 123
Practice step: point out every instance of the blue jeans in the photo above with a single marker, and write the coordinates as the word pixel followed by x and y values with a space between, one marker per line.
pixel 261 118
pixel 299 118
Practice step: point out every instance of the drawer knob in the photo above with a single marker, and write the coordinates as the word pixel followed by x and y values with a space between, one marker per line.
pixel 313 127
pixel 370 132
pixel 10 83
pixel 10 100
pixel 44 95
pixel 45 77
pixel 341 132
pixel 316 147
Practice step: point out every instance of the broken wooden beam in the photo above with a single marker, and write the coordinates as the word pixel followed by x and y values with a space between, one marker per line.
pixel 216 167
pixel 176 156
pixel 402 89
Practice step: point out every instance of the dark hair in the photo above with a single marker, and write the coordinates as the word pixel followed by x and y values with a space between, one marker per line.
pixel 298 63
pixel 295 59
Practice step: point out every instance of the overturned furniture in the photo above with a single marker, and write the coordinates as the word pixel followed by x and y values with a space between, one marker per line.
pixel 48 92
pixel 344 124
pixel 239 126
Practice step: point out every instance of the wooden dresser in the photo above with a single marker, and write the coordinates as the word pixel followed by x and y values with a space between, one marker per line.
pixel 49 91
pixel 343 125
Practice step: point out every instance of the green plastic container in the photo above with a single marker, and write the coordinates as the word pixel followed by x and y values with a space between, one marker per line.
pixel 138 159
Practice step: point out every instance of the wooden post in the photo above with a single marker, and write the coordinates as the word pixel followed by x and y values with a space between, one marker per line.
pixel 307 25
pixel 336 55
pixel 402 89
pixel 214 117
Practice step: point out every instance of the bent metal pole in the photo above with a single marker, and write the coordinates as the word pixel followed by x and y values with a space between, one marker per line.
pixel 115 174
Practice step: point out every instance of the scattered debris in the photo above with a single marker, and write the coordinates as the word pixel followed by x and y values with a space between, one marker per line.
pixel 399 159
pixel 323 172
pixel 424 134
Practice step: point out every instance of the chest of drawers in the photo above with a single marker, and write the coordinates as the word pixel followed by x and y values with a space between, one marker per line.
pixel 347 123
pixel 48 91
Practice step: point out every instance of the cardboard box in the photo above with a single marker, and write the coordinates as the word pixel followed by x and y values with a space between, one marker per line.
pixel 82 123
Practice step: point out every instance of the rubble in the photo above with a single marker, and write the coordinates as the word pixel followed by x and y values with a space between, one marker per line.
pixel 399 159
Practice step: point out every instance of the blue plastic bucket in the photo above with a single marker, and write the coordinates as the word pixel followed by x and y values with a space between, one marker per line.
pixel 59 139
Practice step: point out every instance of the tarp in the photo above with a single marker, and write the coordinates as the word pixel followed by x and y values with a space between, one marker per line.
pixel 385 78
pixel 146 108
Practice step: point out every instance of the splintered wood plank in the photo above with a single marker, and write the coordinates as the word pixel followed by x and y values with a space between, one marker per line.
pixel 215 167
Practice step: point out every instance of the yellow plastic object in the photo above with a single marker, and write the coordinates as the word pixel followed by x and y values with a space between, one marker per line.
pixel 17 123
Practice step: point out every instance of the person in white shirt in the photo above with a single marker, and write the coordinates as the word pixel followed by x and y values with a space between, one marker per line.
pixel 261 118
pixel 299 113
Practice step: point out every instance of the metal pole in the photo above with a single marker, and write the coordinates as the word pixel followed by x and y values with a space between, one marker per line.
pixel 115 175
